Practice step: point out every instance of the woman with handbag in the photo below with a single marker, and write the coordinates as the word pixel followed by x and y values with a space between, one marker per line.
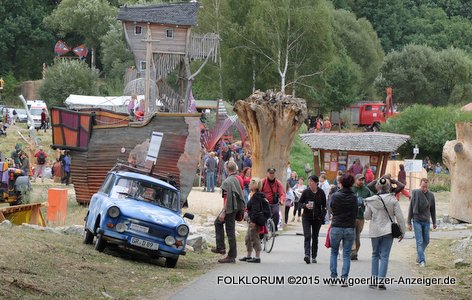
pixel 382 209
pixel 258 212
pixel 313 202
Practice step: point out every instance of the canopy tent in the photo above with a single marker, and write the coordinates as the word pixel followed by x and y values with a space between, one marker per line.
pixel 113 103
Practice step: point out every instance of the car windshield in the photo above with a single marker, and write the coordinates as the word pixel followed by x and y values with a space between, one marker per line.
pixel 36 111
pixel 146 191
pixel 21 111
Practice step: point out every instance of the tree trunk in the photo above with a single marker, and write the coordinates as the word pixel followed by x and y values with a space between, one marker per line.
pixel 457 156
pixel 271 121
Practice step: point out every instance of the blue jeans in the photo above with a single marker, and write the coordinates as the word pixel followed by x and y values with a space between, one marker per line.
pixel 210 181
pixel 422 238
pixel 246 194
pixel 380 253
pixel 338 234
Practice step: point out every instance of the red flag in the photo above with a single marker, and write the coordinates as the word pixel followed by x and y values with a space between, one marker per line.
pixel 81 51
pixel 61 48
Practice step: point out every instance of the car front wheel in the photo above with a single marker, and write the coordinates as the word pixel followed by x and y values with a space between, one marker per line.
pixel 88 237
pixel 100 244
pixel 171 262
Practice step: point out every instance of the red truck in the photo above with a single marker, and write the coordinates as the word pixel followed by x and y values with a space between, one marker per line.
pixel 367 113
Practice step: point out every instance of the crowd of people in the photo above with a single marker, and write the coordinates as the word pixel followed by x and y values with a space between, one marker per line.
pixel 343 205
pixel 37 166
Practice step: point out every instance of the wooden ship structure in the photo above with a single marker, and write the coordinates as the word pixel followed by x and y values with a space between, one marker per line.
pixel 161 40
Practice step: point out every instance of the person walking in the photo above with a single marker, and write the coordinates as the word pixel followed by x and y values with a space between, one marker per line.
pixel 289 200
pixel 344 212
pixel 402 179
pixel 66 166
pixel 258 211
pixel 25 165
pixel 275 193
pixel 57 171
pixel 44 123
pixel 422 209
pixel 380 209
pixel 233 202
pixel 313 201
pixel 210 169
pixel 361 192
pixel 298 190
pixel 40 164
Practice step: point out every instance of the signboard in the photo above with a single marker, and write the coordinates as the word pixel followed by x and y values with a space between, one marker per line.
pixel 413 165
pixel 154 146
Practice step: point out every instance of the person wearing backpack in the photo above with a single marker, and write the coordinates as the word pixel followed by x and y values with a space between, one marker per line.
pixel 258 212
pixel 41 157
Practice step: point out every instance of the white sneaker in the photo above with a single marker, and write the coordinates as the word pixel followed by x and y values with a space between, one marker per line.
pixel 293 219
pixel 422 264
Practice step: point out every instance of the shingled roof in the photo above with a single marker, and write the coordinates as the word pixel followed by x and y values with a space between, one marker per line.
pixel 366 141
pixel 184 14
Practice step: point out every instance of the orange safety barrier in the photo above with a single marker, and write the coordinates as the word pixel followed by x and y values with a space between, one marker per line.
pixel 57 206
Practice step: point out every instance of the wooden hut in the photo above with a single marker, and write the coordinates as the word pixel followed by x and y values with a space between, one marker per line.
pixel 163 33
pixel 338 151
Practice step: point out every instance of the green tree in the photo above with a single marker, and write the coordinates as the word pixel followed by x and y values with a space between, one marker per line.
pixel 115 57
pixel 360 42
pixel 418 74
pixel 428 127
pixel 68 77
pixel 90 19
pixel 341 84
pixel 25 43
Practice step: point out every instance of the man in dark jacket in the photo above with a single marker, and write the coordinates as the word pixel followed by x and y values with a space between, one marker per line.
pixel 361 192
pixel 344 209
pixel 422 210
pixel 233 202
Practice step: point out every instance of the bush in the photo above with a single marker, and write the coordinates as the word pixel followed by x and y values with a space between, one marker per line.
pixel 68 77
pixel 300 154
pixel 429 128
pixel 439 188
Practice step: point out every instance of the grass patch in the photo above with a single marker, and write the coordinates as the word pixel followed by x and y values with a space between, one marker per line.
pixel 440 263
pixel 35 264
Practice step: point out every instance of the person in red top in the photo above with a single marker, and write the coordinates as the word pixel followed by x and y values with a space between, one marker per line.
pixel 40 164
pixel 369 175
pixel 275 193
pixel 44 121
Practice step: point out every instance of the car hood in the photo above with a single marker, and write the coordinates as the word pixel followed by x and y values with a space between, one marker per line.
pixel 148 212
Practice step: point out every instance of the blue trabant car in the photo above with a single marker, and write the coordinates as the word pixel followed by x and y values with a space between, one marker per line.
pixel 137 212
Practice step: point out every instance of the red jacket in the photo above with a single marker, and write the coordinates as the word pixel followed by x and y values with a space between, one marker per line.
pixel 268 189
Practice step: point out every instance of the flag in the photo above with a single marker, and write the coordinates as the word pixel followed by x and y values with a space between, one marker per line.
pixel 81 51
pixel 61 48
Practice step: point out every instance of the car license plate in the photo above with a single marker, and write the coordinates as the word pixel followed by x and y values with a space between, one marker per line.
pixel 139 228
pixel 144 244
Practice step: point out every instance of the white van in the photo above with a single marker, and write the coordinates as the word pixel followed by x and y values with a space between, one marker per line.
pixel 35 108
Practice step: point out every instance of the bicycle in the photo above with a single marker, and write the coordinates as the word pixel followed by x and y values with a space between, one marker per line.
pixel 268 239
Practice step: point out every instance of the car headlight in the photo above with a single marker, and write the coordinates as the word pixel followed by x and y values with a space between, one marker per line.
pixel 113 211
pixel 120 227
pixel 182 230
pixel 170 240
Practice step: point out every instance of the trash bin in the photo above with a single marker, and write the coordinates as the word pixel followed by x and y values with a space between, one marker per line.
pixel 57 206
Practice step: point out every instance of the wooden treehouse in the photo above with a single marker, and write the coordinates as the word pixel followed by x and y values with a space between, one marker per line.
pixel 161 40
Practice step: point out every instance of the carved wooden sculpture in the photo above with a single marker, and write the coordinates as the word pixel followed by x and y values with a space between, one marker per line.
pixel 457 155
pixel 271 120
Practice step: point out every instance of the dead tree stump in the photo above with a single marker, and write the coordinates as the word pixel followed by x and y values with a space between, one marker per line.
pixel 457 156
pixel 271 120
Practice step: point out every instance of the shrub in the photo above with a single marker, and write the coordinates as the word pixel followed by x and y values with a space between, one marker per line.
pixel 68 77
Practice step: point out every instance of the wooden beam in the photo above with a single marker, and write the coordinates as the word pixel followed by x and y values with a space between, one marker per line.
pixel 316 156
pixel 384 163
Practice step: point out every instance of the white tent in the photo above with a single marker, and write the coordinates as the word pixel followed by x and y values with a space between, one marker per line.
pixel 113 103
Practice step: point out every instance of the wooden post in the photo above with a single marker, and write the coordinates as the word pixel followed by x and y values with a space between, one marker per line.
pixel 148 70
pixel 384 163
pixel 316 156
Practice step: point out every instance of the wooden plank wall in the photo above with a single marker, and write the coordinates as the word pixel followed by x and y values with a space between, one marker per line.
pixel 90 168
